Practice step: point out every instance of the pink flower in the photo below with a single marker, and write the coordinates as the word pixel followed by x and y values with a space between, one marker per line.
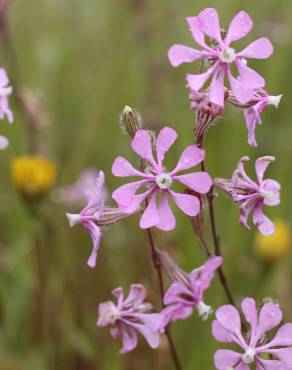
pixel 95 216
pixel 157 180
pixel 221 56
pixel 186 292
pixel 3 142
pixel 227 329
pixel 252 114
pixel 131 315
pixel 253 196
pixel 5 91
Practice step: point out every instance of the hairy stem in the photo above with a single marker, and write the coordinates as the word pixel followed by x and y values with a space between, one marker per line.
pixel 156 260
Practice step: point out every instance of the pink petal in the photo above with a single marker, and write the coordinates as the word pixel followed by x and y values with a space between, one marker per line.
pixel 200 182
pixel 103 310
pixel 261 166
pixel 165 140
pixel 175 293
pixel 242 93
pixel 190 157
pixel 269 365
pixel 189 204
pixel 151 337
pixel 177 311
pixel 142 145
pixel 125 193
pixel 242 366
pixel 229 318
pixel 135 203
pixel 239 27
pixel 6 111
pixel 266 227
pixel 197 81
pixel 248 77
pixel 284 355
pixel 95 234
pixel 166 218
pixel 258 49
pixel 119 294
pixel 179 54
pixel 225 359
pixel 122 168
pixel 150 216
pixel 269 317
pixel 197 33
pixel 137 295
pixel 221 334
pixel 209 24
pixel 217 87
pixel 252 118
pixel 129 338
pixel 273 187
pixel 4 80
pixel 4 142
pixel 283 337
pixel 249 310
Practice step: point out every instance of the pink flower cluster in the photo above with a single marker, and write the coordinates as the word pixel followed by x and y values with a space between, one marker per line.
pixel 5 91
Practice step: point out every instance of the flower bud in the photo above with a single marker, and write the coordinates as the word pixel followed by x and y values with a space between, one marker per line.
pixel 276 246
pixel 131 121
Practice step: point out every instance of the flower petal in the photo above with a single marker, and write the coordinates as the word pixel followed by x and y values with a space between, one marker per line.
pixel 190 157
pixel 4 142
pixel 261 165
pixel 209 24
pixel 269 365
pixel 273 187
pixel 249 78
pixel 165 140
pixel 125 193
pixel 269 317
pixel 179 54
pixel 200 182
pixel 252 118
pixel 225 359
pixel 197 81
pixel 249 310
pixel 220 333
pixel 129 338
pixel 266 227
pixel 242 93
pixel 258 49
pixel 137 295
pixel 217 87
pixel 166 218
pixel 152 337
pixel 103 310
pixel 284 355
pixel 95 234
pixel 177 311
pixel 239 27
pixel 189 204
pixel 229 318
pixel 142 145
pixel 198 35
pixel 283 337
pixel 122 168
pixel 150 216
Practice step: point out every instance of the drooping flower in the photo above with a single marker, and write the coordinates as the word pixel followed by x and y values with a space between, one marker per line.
pixel 95 216
pixel 5 91
pixel 253 196
pixel 253 109
pixel 186 292
pixel 129 316
pixel 221 56
pixel 157 180
pixel 255 344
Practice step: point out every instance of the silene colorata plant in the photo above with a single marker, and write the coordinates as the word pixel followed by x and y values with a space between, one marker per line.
pixel 152 190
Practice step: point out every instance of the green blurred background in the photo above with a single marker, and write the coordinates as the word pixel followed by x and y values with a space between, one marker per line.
pixel 88 59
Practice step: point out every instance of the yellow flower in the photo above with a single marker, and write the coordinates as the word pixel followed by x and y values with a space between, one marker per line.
pixel 33 176
pixel 276 246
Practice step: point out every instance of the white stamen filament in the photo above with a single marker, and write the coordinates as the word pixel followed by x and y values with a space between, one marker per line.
pixel 248 356
pixel 274 100
pixel 74 219
pixel 164 181
pixel 228 55
pixel 204 310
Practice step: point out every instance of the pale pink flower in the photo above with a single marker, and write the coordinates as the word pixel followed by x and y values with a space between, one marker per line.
pixel 4 142
pixel 254 345
pixel 222 56
pixel 253 195
pixel 5 91
pixel 129 316
pixel 186 292
pixel 95 216
pixel 159 181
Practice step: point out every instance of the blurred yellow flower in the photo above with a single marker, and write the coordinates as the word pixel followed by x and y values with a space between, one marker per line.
pixel 276 246
pixel 33 176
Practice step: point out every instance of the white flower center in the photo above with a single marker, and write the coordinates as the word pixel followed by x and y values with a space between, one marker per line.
pixel 269 195
pixel 228 55
pixel 248 356
pixel 5 91
pixel 74 219
pixel 112 316
pixel 164 181
pixel 204 310
pixel 274 100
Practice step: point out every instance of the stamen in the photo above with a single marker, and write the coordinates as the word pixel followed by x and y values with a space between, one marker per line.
pixel 228 55
pixel 164 181
pixel 248 356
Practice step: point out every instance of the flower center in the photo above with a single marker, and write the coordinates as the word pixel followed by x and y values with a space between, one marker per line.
pixel 228 55
pixel 269 195
pixel 274 100
pixel 164 181
pixel 112 317
pixel 248 356
pixel 204 310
